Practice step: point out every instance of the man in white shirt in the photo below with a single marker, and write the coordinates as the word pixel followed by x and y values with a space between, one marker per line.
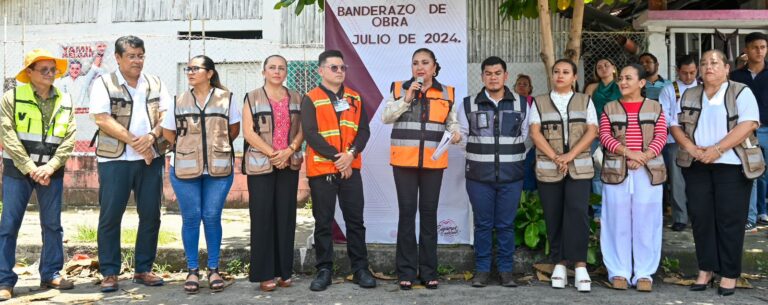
pixel 670 96
pixel 76 83
pixel 128 107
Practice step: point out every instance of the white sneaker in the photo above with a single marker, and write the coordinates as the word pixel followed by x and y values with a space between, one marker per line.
pixel 559 277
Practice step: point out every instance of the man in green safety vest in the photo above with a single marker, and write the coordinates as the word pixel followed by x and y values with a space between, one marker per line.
pixel 37 129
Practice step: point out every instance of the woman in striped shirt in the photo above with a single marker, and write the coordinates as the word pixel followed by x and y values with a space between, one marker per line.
pixel 633 132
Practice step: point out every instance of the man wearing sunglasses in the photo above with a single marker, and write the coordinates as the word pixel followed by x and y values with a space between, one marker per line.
pixel 336 128
pixel 37 129
pixel 128 106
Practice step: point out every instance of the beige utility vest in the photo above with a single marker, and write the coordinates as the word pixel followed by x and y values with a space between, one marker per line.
pixel 255 162
pixel 122 107
pixel 749 152
pixel 614 169
pixel 552 128
pixel 202 136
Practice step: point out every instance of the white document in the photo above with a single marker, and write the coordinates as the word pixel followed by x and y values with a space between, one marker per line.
pixel 442 146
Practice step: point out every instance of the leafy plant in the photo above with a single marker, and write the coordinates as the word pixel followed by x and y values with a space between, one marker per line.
pixel 162 268
pixel 300 4
pixel 530 228
pixel 445 270
pixel 236 267
pixel 85 233
pixel 594 256
pixel 670 265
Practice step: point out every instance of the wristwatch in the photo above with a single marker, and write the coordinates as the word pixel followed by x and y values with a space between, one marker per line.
pixel 351 151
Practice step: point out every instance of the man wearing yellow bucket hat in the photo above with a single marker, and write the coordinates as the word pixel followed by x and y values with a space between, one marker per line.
pixel 37 129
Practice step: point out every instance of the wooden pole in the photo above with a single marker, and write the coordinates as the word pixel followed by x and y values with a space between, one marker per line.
pixel 547 43
pixel 573 49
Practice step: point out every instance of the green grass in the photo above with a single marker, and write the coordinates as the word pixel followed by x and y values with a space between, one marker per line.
pixel 87 234
pixel 1 206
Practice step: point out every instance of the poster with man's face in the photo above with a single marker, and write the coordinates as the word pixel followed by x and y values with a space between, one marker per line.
pixel 87 61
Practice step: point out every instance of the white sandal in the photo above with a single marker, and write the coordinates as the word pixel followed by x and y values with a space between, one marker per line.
pixel 559 277
pixel 583 283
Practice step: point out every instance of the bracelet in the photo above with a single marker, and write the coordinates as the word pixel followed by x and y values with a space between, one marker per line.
pixel 153 135
pixel 717 148
pixel 291 147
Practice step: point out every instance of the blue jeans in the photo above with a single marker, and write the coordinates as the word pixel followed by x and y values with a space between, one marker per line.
pixel 494 206
pixel 757 205
pixel 529 178
pixel 597 184
pixel 16 193
pixel 201 199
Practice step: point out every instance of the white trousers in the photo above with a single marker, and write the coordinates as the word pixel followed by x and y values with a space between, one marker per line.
pixel 631 226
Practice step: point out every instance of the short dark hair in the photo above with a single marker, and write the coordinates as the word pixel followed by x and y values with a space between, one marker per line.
pixel 328 54
pixel 686 59
pixel 655 60
pixel 641 74
pixel 492 61
pixel 431 55
pixel 567 61
pixel 755 36
pixel 128 41
pixel 75 61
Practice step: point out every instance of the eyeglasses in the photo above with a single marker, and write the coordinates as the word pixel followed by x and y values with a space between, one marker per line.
pixel 336 68
pixel 193 69
pixel 46 71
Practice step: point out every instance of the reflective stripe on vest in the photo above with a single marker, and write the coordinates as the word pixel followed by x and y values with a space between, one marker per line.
pixel 339 132
pixel 614 169
pixel 552 128
pixel 40 144
pixel 202 136
pixel 417 132
pixel 749 151
pixel 491 155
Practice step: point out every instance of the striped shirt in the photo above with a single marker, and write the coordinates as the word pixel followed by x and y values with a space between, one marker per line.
pixel 634 136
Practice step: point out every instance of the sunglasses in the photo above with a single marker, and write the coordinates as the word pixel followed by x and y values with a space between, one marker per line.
pixel 193 69
pixel 46 71
pixel 336 68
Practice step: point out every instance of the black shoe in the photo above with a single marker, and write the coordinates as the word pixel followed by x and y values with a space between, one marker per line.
pixel 507 280
pixel 677 227
pixel 322 281
pixel 364 279
pixel 702 287
pixel 480 279
pixel 724 292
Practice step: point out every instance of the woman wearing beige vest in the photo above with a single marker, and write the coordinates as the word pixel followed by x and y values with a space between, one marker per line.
pixel 273 137
pixel 563 125
pixel 715 128
pixel 201 125
pixel 633 132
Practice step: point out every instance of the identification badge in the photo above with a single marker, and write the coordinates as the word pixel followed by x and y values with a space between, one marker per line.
pixel 340 105
pixel 482 120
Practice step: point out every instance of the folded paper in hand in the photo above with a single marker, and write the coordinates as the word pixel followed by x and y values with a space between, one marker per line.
pixel 442 146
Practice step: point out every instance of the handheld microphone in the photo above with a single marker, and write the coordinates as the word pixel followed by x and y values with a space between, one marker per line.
pixel 419 80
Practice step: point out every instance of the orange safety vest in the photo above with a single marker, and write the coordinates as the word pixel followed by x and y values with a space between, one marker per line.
pixel 340 132
pixel 418 131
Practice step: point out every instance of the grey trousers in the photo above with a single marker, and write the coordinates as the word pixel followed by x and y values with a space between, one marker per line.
pixel 676 184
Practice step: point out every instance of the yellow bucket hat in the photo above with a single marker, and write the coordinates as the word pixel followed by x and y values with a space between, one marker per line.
pixel 38 55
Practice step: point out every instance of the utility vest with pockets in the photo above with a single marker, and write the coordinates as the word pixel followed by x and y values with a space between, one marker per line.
pixel 495 145
pixel 40 144
pixel 255 162
pixel 614 169
pixel 749 152
pixel 121 104
pixel 418 131
pixel 338 131
pixel 552 127
pixel 202 136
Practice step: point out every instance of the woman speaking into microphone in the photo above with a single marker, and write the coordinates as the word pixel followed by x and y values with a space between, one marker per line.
pixel 421 110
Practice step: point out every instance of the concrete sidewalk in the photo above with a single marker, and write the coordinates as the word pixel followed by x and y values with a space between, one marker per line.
pixel 236 246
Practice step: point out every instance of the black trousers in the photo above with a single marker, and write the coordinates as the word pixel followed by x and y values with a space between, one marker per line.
pixel 417 189
pixel 566 211
pixel 324 191
pixel 718 202
pixel 272 204
pixel 116 181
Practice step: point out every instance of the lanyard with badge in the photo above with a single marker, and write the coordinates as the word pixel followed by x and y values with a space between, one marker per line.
pixel 340 105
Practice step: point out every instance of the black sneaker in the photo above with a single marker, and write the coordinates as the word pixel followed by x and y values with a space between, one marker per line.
pixel 480 279
pixel 364 279
pixel 750 228
pixel 322 281
pixel 678 226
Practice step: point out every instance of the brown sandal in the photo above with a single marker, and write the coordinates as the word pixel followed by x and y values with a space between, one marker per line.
pixel 619 283
pixel 284 283
pixel 267 286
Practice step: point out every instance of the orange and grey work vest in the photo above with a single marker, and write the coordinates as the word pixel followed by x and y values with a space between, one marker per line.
pixel 418 131
pixel 552 128
pixel 749 152
pixel 614 169
pixel 202 136
pixel 122 107
pixel 255 162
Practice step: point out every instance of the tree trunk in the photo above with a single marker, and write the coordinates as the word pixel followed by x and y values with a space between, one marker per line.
pixel 573 49
pixel 547 44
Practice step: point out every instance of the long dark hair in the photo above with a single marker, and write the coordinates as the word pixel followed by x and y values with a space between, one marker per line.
pixel 209 65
